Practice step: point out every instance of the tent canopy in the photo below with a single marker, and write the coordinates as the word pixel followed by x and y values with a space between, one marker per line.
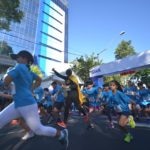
pixel 135 62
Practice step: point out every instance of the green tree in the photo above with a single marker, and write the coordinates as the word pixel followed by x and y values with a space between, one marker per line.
pixel 82 65
pixel 124 49
pixel 116 77
pixel 143 75
pixel 5 49
pixel 9 12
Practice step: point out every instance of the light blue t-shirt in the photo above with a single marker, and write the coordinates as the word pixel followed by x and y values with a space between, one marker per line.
pixel 39 92
pixel 121 100
pixel 91 93
pixel 143 94
pixel 23 79
pixel 60 95
pixel 106 98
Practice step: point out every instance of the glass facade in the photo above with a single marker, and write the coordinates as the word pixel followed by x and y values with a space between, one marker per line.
pixel 43 31
pixel 22 35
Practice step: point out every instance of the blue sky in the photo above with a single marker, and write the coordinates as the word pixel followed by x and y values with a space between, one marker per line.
pixel 95 25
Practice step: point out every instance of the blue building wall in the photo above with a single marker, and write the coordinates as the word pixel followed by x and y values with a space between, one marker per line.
pixel 50 34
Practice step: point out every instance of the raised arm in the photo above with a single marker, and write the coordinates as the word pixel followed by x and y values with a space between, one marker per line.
pixel 59 75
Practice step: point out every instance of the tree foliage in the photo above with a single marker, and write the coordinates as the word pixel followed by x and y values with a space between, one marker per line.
pixel 5 49
pixel 124 49
pixel 143 75
pixel 82 65
pixel 9 12
pixel 116 77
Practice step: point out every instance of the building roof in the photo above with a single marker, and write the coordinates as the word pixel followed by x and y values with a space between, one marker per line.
pixel 6 60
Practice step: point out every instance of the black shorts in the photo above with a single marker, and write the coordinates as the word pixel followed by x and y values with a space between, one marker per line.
pixel 58 105
pixel 125 113
pixel 2 101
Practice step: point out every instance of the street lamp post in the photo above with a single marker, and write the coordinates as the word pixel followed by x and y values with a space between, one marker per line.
pixel 101 52
pixel 122 32
pixel 97 57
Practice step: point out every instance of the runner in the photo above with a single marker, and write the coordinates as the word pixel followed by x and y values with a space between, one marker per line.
pixel 73 95
pixel 107 105
pixel 58 96
pixel 91 93
pixel 25 106
pixel 47 106
pixel 9 96
pixel 121 103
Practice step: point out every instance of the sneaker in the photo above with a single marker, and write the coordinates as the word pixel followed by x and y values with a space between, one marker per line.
pixel 28 135
pixel 90 126
pixel 111 125
pixel 131 122
pixel 62 124
pixel 64 140
pixel 128 138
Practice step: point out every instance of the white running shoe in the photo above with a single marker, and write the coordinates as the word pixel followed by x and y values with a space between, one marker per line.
pixel 28 135
pixel 64 141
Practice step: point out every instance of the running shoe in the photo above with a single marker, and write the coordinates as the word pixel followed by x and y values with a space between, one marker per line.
pixel 28 135
pixel 90 126
pixel 131 122
pixel 128 138
pixel 62 124
pixel 111 125
pixel 64 140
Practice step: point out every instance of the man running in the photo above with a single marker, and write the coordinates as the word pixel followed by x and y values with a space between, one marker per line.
pixel 74 95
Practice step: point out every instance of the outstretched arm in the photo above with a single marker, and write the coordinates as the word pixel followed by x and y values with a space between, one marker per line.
pixel 59 75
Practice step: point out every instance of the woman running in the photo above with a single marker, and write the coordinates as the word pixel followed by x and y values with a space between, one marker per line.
pixel 121 103
pixel 25 106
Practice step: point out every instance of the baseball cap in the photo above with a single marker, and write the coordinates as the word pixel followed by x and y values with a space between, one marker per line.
pixel 88 82
pixel 24 54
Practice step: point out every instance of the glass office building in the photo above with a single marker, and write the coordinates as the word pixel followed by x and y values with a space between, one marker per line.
pixel 43 31
pixel 22 36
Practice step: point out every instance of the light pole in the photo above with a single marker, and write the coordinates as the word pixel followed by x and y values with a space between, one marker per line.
pixel 101 52
pixel 122 32
pixel 97 57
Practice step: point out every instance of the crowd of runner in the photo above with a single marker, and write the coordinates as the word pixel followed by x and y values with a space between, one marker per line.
pixel 54 104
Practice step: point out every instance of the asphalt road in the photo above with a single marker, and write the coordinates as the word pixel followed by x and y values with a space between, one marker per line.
pixel 100 138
